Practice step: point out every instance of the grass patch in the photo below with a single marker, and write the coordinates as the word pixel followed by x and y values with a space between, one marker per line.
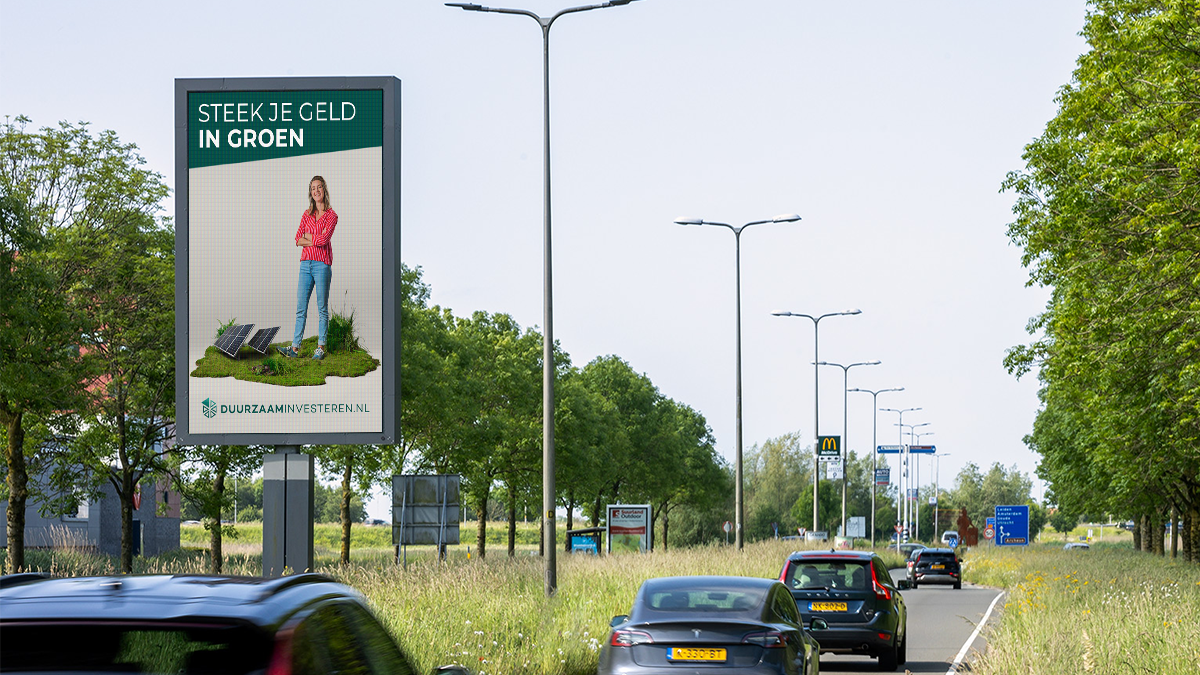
pixel 273 368
pixel 1104 610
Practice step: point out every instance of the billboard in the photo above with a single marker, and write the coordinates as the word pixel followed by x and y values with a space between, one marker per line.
pixel 287 260
pixel 629 528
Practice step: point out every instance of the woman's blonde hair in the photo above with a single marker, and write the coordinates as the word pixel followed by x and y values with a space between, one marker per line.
pixel 312 203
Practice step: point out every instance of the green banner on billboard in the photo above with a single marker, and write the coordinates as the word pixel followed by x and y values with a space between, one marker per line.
pixel 229 127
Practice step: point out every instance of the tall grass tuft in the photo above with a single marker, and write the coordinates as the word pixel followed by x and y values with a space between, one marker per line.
pixel 339 336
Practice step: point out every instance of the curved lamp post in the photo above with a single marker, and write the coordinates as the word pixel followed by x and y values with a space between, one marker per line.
pixel 911 510
pixel 548 489
pixel 817 400
pixel 874 446
pixel 738 510
pixel 845 426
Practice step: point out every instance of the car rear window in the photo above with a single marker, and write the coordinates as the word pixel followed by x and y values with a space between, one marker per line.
pixel 818 574
pixel 142 647
pixel 938 557
pixel 704 601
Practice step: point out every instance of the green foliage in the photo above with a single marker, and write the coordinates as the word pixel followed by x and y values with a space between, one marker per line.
pixel 224 327
pixel 340 335
pixel 303 371
pixel 1106 214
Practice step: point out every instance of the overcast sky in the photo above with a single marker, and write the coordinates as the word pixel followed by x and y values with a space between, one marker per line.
pixel 887 126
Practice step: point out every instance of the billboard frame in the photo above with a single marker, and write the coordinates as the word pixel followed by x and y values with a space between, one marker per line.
pixel 390 202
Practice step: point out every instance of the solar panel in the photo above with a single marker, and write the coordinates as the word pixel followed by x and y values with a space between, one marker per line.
pixel 262 339
pixel 231 340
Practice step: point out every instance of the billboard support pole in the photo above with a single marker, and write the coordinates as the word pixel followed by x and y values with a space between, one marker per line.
pixel 287 511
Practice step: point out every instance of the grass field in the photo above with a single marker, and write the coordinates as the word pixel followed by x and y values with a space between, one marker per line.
pixel 274 368
pixel 1106 610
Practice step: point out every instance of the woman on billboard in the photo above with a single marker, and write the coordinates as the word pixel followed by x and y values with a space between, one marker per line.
pixel 316 265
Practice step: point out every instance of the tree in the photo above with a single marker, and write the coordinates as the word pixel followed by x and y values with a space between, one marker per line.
pixel 62 188
pixel 202 480
pixel 775 475
pixel 360 468
pixel 1106 213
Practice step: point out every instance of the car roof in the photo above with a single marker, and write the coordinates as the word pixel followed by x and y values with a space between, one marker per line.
pixel 710 583
pixel 832 554
pixel 264 602
pixel 949 551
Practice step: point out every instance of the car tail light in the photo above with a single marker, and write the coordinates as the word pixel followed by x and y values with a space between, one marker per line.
pixel 629 638
pixel 882 592
pixel 281 656
pixel 783 573
pixel 771 639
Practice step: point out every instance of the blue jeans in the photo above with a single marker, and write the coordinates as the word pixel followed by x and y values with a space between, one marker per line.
pixel 313 273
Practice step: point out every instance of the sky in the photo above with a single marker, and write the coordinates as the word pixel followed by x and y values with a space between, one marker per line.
pixel 888 127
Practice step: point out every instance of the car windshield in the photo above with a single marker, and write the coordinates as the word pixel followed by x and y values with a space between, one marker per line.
pixel 704 600
pixel 829 574
pixel 141 647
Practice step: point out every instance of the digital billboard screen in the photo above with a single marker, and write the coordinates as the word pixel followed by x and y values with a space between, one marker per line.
pixel 287 260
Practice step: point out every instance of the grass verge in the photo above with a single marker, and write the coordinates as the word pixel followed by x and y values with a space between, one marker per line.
pixel 1104 610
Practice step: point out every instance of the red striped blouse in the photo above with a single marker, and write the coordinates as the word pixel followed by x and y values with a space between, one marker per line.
pixel 322 232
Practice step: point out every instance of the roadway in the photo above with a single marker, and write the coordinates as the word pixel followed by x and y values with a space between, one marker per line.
pixel 941 623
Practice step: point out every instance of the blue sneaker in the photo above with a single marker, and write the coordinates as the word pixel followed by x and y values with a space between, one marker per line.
pixel 288 351
pixel 319 354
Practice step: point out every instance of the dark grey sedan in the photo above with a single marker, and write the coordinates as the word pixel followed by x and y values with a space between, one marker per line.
pixel 711 624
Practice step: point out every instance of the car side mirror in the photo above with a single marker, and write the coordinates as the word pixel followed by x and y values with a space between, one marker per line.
pixel 618 620
pixel 818 623
pixel 902 584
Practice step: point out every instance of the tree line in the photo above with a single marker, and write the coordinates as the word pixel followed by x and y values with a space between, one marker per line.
pixel 87 371
pixel 779 494
pixel 1108 215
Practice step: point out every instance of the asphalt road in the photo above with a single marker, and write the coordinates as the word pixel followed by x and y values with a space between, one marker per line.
pixel 940 622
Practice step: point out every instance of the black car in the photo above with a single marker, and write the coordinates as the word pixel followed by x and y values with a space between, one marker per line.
pixel 936 566
pixel 714 624
pixel 191 624
pixel 855 596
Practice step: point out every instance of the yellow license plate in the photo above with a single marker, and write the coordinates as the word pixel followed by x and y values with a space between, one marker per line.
pixel 695 654
pixel 937 567
pixel 826 606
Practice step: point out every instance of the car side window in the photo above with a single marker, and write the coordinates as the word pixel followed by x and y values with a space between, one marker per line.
pixel 324 642
pixel 786 608
pixel 383 654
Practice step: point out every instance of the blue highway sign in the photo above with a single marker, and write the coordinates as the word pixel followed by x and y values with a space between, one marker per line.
pixel 889 449
pixel 1012 525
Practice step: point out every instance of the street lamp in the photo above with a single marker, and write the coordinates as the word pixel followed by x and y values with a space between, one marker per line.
pixel 845 425
pixel 917 526
pixel 916 478
pixel 817 399
pixel 900 505
pixel 937 490
pixel 738 510
pixel 548 489
pixel 874 447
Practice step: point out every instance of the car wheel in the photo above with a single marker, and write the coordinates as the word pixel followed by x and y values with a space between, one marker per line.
pixel 958 584
pixel 914 583
pixel 903 656
pixel 889 659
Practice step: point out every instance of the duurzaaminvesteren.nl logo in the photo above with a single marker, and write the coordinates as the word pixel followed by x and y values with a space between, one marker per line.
pixel 211 408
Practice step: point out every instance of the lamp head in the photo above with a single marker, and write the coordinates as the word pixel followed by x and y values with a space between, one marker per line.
pixel 469 6
pixel 785 218
pixel 689 221
pixel 852 312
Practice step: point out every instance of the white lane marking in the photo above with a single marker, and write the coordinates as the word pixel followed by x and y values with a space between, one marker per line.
pixel 962 653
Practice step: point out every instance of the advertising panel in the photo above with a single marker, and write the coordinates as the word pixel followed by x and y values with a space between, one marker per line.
pixel 629 528
pixel 287 260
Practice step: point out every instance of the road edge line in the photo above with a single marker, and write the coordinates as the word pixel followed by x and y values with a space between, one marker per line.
pixel 962 653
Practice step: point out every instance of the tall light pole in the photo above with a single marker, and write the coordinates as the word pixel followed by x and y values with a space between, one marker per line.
pixel 914 477
pixel 874 445
pixel 937 491
pixel 817 401
pixel 846 426
pixel 899 471
pixel 738 506
pixel 918 481
pixel 548 489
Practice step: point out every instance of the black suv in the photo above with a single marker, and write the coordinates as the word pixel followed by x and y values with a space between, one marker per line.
pixel 936 566
pixel 192 624
pixel 854 593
